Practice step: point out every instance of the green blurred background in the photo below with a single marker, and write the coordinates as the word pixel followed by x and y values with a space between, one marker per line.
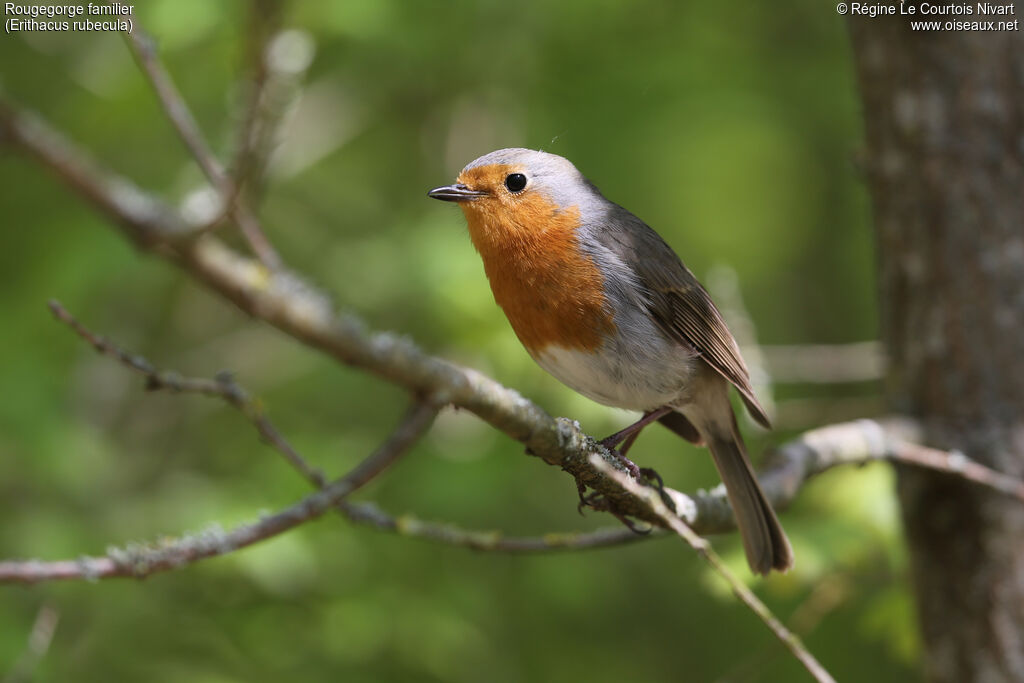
pixel 732 130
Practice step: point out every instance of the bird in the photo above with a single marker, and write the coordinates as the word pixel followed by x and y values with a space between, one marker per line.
pixel 601 302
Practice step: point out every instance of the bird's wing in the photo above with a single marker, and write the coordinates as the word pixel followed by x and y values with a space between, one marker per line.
pixel 677 302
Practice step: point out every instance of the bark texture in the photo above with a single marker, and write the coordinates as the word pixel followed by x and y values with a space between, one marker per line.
pixel 944 116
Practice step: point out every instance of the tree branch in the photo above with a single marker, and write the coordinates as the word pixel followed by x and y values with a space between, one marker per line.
pixel 144 219
pixel 223 386
pixel 817 451
pixel 493 540
pixel 277 61
pixel 264 19
pixel 140 560
pixel 142 48
pixel 707 553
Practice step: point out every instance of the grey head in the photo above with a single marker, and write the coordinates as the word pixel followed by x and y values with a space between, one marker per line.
pixel 517 171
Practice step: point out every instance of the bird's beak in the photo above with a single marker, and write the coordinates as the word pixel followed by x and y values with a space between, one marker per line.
pixel 455 193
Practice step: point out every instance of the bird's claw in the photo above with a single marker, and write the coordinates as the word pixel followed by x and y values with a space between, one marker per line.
pixel 645 475
pixel 581 490
pixel 652 475
pixel 599 502
pixel 631 525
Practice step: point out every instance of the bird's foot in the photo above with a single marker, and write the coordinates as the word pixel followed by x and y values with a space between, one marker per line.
pixel 631 525
pixel 594 500
pixel 645 475
pixel 655 481
pixel 600 502
pixel 581 490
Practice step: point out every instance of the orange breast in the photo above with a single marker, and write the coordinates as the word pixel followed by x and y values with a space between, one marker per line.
pixel 551 292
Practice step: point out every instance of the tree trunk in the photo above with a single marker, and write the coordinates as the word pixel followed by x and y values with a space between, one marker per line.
pixel 945 159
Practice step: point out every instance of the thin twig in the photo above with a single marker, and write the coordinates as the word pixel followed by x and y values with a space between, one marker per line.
pixel 144 219
pixel 894 439
pixel 707 553
pixel 416 421
pixel 958 464
pixel 142 48
pixel 223 386
pixel 276 60
pixel 493 541
pixel 39 640
pixel 140 560
pixel 264 19
pixel 826 596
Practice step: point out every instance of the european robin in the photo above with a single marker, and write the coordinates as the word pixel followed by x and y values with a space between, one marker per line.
pixel 601 302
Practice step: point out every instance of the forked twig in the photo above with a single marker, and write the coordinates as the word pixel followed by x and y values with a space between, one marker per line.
pixel 142 48
pixel 142 559
pixel 223 386
pixel 226 388
pixel 707 553
pixel 492 540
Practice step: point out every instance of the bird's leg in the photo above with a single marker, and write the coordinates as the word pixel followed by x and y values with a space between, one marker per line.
pixel 627 436
pixel 618 437
pixel 628 443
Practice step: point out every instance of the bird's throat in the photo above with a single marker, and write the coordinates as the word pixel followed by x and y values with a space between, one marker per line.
pixel 551 291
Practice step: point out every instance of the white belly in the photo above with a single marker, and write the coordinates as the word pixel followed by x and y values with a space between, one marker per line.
pixel 641 374
pixel 637 368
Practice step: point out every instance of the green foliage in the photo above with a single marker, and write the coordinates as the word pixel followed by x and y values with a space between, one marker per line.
pixel 732 130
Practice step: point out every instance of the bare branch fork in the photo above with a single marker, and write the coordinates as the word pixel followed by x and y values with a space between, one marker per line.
pixel 708 554
pixel 140 560
pixel 143 49
pixel 225 388
pixel 814 452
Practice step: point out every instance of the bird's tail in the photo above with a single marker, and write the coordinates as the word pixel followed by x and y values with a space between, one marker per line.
pixel 764 540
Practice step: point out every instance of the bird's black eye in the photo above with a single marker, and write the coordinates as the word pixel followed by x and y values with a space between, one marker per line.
pixel 515 182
